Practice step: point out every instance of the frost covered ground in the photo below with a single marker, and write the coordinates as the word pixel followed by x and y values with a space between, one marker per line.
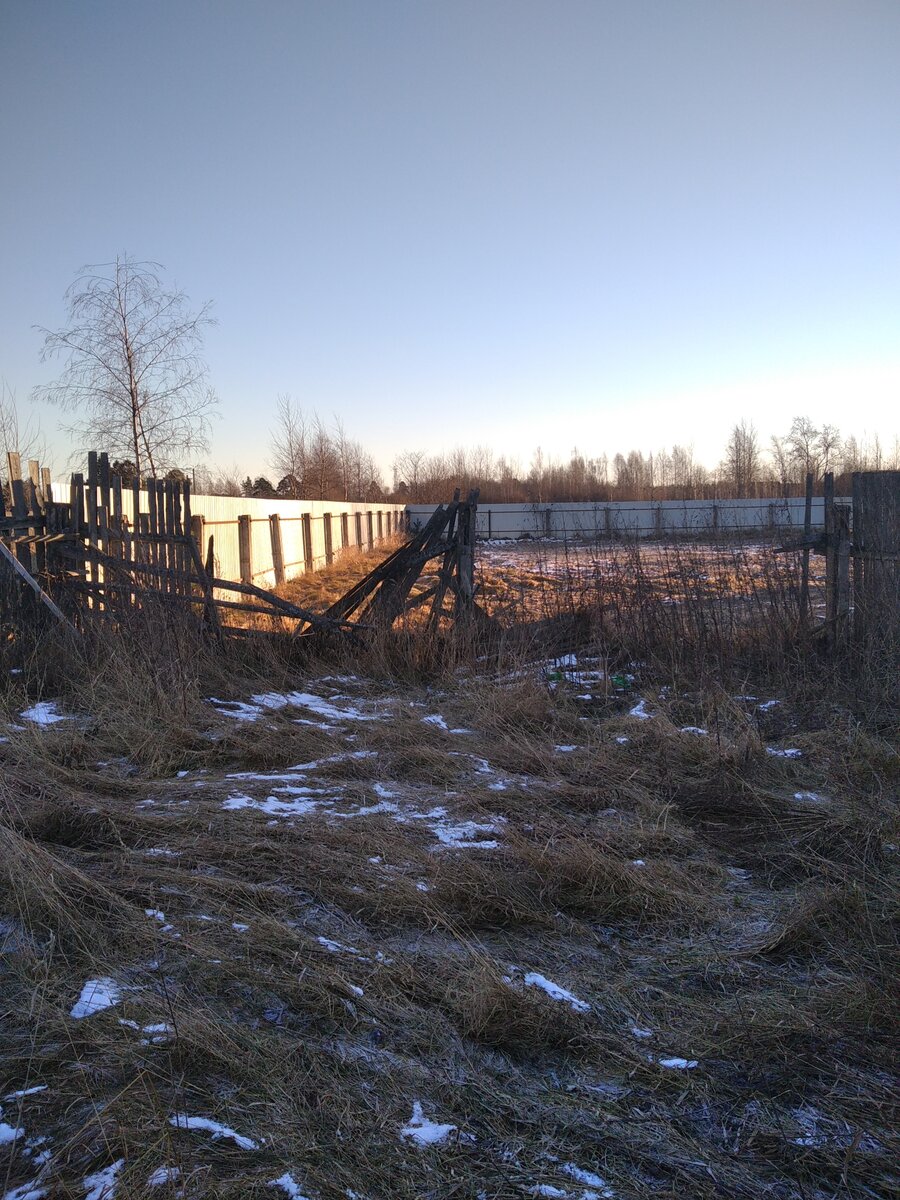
pixel 553 932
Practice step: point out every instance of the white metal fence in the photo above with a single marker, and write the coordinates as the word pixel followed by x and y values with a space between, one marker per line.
pixel 635 518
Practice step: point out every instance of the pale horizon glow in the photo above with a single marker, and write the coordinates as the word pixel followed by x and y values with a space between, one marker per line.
pixel 602 224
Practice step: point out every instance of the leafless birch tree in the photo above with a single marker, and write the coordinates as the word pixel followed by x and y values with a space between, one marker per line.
pixel 133 371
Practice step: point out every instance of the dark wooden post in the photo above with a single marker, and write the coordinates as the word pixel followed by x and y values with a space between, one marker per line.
pixel 329 540
pixel 804 566
pixel 244 548
pixel 277 548
pixel 345 531
pixel 876 551
pixel 370 535
pixel 357 522
pixel 306 529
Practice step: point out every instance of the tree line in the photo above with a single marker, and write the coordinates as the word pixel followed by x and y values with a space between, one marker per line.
pixel 135 380
pixel 749 468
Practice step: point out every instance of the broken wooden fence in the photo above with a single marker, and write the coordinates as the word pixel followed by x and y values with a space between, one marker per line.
pixel 113 546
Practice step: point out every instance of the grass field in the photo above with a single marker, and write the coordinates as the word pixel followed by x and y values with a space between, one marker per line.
pixel 612 919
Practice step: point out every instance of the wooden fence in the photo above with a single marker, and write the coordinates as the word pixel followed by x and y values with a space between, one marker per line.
pixel 110 547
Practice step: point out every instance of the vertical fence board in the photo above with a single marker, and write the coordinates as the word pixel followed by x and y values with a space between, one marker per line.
pixel 876 546
pixel 244 548
pixel 277 548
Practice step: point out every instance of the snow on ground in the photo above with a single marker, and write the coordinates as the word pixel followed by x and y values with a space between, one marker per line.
pixel 595 1182
pixel 450 832
pixel 553 990
pixel 252 710
pixel 424 1132
pixel 101 1185
pixel 792 752
pixel 27 1191
pixel 163 1175
pixel 45 712
pixel 289 1186
pixel 215 1128
pixel 640 711
pixel 96 995
pixel 9 1133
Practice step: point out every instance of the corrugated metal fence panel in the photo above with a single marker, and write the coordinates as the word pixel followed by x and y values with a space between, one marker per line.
pixel 644 518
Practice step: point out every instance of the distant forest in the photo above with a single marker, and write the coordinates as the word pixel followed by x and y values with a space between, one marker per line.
pixel 311 460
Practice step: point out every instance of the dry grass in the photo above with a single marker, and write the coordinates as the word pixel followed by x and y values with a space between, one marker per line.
pixel 374 922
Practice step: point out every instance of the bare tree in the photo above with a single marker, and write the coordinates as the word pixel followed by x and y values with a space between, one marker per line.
pixel 18 436
pixel 290 448
pixel 742 459
pixel 133 370
pixel 409 468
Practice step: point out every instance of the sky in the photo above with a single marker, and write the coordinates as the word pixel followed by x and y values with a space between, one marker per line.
pixel 606 225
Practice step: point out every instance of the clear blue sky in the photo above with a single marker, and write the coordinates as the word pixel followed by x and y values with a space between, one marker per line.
pixel 604 224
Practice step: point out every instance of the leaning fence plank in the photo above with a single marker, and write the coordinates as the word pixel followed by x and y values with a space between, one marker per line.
pixel 26 577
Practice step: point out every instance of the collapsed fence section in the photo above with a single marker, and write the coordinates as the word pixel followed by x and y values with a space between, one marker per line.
pixel 107 546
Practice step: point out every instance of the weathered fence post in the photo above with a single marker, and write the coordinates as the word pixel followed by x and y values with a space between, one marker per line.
pixel 306 530
pixel 244 548
pixel 329 538
pixel 876 555
pixel 804 566
pixel 277 548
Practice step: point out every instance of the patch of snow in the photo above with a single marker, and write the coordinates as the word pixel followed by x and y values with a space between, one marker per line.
pixel 316 704
pixel 638 862
pixel 164 1175
pixel 96 995
pixel 45 712
pixel 239 926
pixel 40 1087
pixel 554 991
pixel 336 947
pixel 102 1184
pixel 156 914
pixel 26 1191
pixel 811 797
pixel 463 835
pixel 161 852
pixel 564 749
pixel 589 1178
pixel 677 1064
pixel 380 790
pixel 641 1033
pixel 437 720
pixel 289 1186
pixel 640 711
pixel 218 1130
pixel 9 1133
pixel 766 706
pixel 695 729
pixel 622 739
pixel 33 1150
pixel 424 1132
pixel 790 753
